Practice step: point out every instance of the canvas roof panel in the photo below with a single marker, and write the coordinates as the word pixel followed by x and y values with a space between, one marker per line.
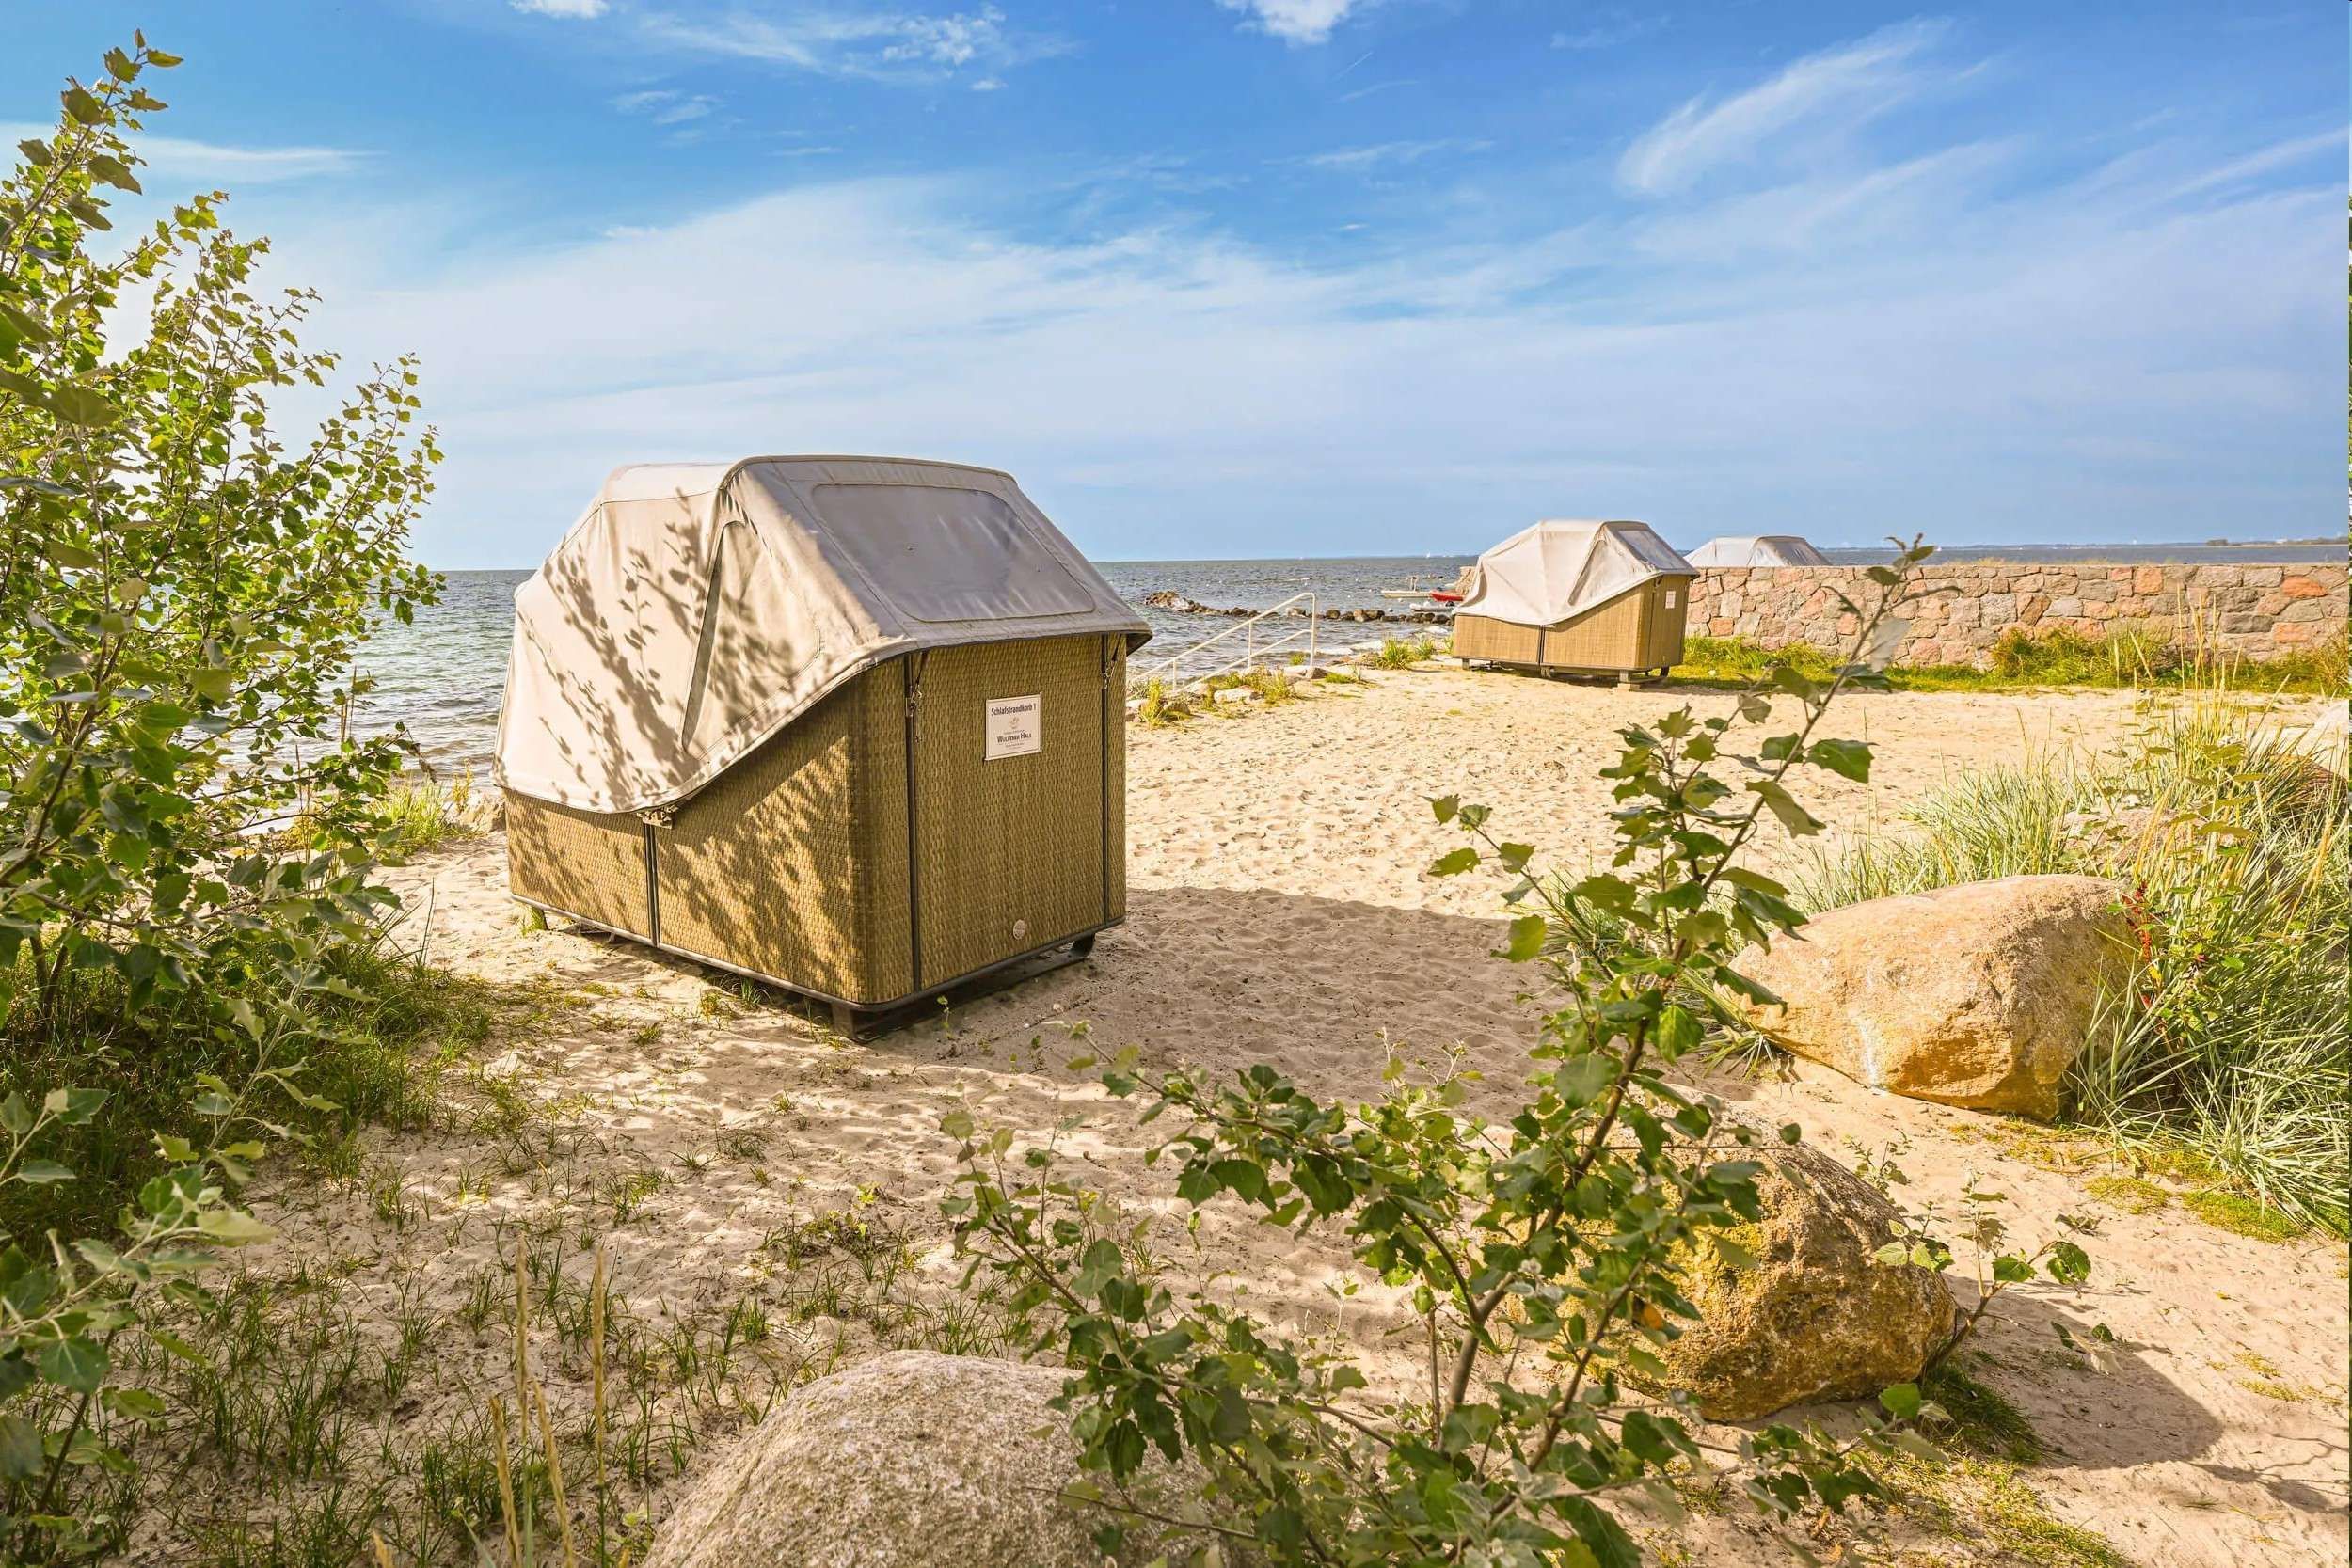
pixel 1555 569
pixel 696 610
pixel 1760 549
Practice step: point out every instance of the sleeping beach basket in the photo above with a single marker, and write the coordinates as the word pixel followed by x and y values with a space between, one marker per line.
pixel 851 726
pixel 1580 598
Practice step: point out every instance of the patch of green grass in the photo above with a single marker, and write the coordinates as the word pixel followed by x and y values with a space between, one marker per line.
pixel 2021 1524
pixel 377 1054
pixel 2128 1193
pixel 2130 657
pixel 1984 1423
pixel 2234 1211
pixel 426 813
pixel 1397 653
pixel 1160 705
pixel 1272 687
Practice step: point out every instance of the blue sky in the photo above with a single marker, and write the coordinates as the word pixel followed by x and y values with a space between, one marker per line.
pixel 1239 278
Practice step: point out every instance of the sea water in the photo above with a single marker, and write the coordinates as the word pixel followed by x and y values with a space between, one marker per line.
pixel 442 675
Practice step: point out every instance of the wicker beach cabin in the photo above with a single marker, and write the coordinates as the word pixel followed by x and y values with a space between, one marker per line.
pixel 1761 549
pixel 1577 597
pixel 853 726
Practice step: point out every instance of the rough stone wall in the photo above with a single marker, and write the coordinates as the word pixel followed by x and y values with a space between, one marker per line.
pixel 2254 612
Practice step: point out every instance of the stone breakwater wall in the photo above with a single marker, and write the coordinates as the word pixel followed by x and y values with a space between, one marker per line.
pixel 2253 611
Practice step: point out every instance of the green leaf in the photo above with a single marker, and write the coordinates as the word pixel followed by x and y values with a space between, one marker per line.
pixel 72 1108
pixel 16 1115
pixel 20 1447
pixel 234 1228
pixel 1679 1030
pixel 1453 862
pixel 1901 1401
pixel 1526 940
pixel 1446 806
pixel 2010 1270
pixel 75 1363
pixel 1847 758
pixel 31 328
pixel 1799 821
pixel 2069 1264
pixel 81 108
pixel 78 404
pixel 211 683
pixel 43 1172
pixel 114 172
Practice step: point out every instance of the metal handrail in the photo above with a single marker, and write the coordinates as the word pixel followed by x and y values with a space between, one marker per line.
pixel 1251 648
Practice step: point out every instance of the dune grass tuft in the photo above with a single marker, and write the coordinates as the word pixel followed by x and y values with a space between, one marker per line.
pixel 2228 1064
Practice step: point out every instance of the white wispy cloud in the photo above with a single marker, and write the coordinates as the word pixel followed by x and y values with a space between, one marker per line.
pixel 1360 160
pixel 203 161
pixel 875 45
pixel 1845 86
pixel 1294 21
pixel 1608 34
pixel 666 107
pixel 1730 371
pixel 567 10
pixel 2267 160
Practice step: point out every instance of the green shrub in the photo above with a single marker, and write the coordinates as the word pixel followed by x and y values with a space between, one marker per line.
pixel 1541 1255
pixel 186 894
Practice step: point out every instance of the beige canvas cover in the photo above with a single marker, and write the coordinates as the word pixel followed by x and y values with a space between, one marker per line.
pixel 1543 575
pixel 694 610
pixel 1761 549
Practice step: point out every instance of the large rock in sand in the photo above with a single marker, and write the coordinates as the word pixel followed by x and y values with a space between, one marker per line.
pixel 912 1460
pixel 1979 994
pixel 1817 1317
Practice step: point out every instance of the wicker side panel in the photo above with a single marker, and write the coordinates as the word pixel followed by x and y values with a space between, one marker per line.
pixel 1009 854
pixel 1669 618
pixel 784 865
pixel 588 863
pixel 1606 637
pixel 1501 641
pixel 1115 785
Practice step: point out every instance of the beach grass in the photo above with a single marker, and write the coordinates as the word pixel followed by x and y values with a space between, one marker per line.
pixel 1398 653
pixel 2229 1063
pixel 428 812
pixel 2128 657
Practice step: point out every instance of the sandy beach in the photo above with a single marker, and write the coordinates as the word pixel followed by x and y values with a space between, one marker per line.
pixel 1279 912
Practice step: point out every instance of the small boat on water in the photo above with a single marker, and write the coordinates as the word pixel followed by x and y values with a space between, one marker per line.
pixel 1450 594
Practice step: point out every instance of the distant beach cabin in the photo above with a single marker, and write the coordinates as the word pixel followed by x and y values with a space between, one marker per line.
pixel 1760 549
pixel 853 726
pixel 1588 597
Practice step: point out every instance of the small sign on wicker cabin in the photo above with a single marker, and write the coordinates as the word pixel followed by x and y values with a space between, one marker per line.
pixel 1013 730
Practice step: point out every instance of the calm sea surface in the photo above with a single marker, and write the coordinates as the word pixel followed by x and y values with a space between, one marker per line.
pixel 442 675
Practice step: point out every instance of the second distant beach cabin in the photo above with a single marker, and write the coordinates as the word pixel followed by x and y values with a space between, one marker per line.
pixel 1760 549
pixel 851 726
pixel 1577 597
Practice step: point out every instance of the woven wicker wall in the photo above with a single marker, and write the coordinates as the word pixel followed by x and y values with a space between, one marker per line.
pixel 1637 631
pixel 584 863
pixel 1009 854
pixel 793 863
